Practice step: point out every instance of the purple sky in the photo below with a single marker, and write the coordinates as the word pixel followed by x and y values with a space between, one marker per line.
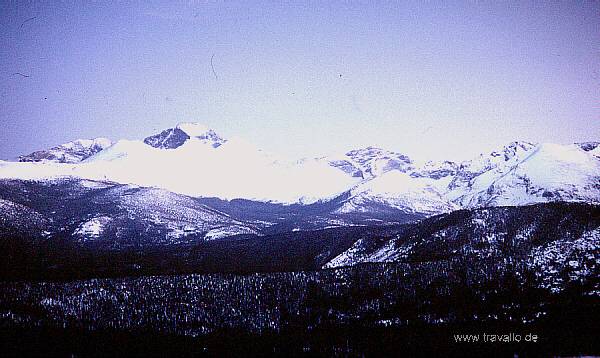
pixel 433 80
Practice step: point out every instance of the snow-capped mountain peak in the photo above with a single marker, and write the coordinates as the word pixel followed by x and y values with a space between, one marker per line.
pixel 509 155
pixel 546 172
pixel 71 152
pixel 485 162
pixel 513 149
pixel 175 137
pixel 201 132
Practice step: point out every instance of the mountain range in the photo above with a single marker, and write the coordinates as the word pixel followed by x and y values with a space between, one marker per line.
pixel 188 184
pixel 192 159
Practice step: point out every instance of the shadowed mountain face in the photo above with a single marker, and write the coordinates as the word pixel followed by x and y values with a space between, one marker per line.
pixel 588 146
pixel 117 216
pixel 70 228
pixel 168 139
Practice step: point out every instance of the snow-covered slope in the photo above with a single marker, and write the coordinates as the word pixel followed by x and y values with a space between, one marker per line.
pixel 235 169
pixel 509 155
pixel 398 190
pixel 547 172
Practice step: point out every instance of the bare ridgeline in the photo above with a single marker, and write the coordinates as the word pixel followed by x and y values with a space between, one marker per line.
pixel 106 251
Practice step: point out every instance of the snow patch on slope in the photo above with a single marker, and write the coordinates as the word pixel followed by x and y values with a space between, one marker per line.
pixel 92 229
pixel 397 190
pixel 222 232
pixel 579 258
pixel 193 129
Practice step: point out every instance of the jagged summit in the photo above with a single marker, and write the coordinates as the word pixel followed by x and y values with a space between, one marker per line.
pixel 175 137
pixel 371 162
pixel 168 139
pixel 509 155
pixel 512 149
pixel 201 132
pixel 71 152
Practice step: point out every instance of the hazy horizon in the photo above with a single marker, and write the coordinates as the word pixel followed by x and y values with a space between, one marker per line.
pixel 432 80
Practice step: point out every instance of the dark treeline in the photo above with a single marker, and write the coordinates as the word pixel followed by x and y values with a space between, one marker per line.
pixel 62 259
pixel 368 309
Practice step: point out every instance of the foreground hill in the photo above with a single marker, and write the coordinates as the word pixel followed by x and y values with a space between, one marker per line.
pixel 556 240
pixel 560 243
pixel 409 287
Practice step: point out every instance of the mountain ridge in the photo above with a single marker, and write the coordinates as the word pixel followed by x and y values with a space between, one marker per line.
pixel 192 159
